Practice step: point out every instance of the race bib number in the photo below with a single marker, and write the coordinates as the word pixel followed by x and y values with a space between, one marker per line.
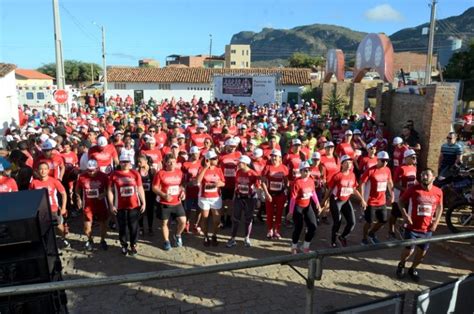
pixel 381 186
pixel 395 162
pixel 296 173
pixel 173 190
pixel 424 210
pixel 106 169
pixel 146 187
pixel 92 193
pixel 346 191
pixel 210 188
pixel 229 172
pixel 127 191
pixel 243 189
pixel 276 186
pixel 306 196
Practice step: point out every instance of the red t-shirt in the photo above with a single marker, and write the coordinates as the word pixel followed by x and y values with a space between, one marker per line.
pixel 367 162
pixel 259 165
pixel 161 139
pixel 406 175
pixel 422 205
pixel 228 164
pixel 191 170
pixel 154 154
pixel 208 188
pixel 169 182
pixel 302 191
pixel 7 184
pixel 398 155
pixel 198 139
pixel 53 186
pixel 245 182
pixel 54 162
pixel 318 173
pixel 343 185
pixel 105 157
pixel 93 190
pixel 331 165
pixel 292 161
pixel 345 149
pixel 275 176
pixel 125 186
pixel 378 181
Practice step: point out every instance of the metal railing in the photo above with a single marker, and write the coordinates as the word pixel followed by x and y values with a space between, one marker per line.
pixel 315 269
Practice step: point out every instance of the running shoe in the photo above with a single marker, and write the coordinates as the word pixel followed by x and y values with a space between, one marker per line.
pixel 214 241
pixel 133 251
pixel 373 238
pixel 103 245
pixel 413 273
pixel 207 241
pixel 365 242
pixel 343 241
pixel 270 234
pixel 231 243
pixel 247 242
pixel 167 246
pixel 124 250
pixel 88 245
pixel 179 241
pixel 276 236
pixel 400 271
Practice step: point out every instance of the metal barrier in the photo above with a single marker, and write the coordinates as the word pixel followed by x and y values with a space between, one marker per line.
pixel 315 268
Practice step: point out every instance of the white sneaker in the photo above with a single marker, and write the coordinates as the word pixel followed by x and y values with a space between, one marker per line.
pixel 247 242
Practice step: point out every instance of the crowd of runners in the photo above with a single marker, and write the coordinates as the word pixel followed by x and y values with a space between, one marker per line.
pixel 207 166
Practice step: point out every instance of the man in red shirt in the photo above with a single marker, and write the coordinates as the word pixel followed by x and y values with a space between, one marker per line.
pixel 7 184
pixel 398 150
pixel 228 162
pixel 345 147
pixel 53 159
pixel 105 155
pixel 419 205
pixel 153 152
pixel 379 178
pixel 91 188
pixel 197 139
pixel 191 170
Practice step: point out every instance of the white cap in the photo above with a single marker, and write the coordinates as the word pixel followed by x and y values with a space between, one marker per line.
pixel 231 142
pixel 211 154
pixel 102 141
pixel 174 145
pixel 44 137
pixel 408 153
pixel 304 165
pixel 345 122
pixel 194 150
pixel 125 157
pixel 328 144
pixel 201 126
pixel 276 152
pixel 31 130
pixel 296 141
pixel 348 132
pixel 397 140
pixel 93 123
pixel 357 131
pixel 316 155
pixel 253 142
pixel 245 159
pixel 345 157
pixel 258 152
pixel 243 126
pixel 382 155
pixel 370 145
pixel 47 145
pixel 181 135
pixel 151 139
pixel 92 164
pixel 358 152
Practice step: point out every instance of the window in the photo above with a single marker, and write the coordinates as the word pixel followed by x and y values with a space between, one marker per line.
pixel 243 53
pixel 232 63
pixel 40 95
pixel 247 52
pixel 120 86
pixel 164 86
pixel 30 96
pixel 242 64
pixel 247 64
pixel 232 51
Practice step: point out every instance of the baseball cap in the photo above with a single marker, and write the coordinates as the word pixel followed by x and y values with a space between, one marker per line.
pixel 245 159
pixel 370 145
pixel 316 155
pixel 230 142
pixel 201 125
pixel 174 145
pixel 329 144
pixel 181 135
pixel 92 164
pixel 194 150
pixel 408 153
pixel 47 145
pixel 397 140
pixel 102 141
pixel 357 131
pixel 258 152
pixel 304 165
pixel 44 137
pixel 211 154
pixel 296 141
pixel 344 122
pixel 243 126
pixel 276 152
pixel 348 132
pixel 383 155
pixel 151 139
pixel 124 157
pixel 345 157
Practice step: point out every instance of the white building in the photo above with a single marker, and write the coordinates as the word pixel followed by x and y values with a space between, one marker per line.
pixel 8 98
pixel 161 83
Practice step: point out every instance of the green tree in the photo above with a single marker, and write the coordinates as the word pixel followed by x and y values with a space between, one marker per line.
pixel 461 67
pixel 303 60
pixel 75 71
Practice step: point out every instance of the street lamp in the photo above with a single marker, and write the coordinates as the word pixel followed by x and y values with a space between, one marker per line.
pixel 104 65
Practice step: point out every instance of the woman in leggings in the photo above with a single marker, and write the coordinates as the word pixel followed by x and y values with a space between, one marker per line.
pixel 303 190
pixel 147 173
pixel 342 186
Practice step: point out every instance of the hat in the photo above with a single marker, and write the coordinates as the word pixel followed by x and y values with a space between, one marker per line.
pixel 243 126
pixel 125 157
pixel 201 126
pixel 92 164
pixel 181 135
pixel 345 122
pixel 211 154
pixel 383 155
pixel 370 145
pixel 329 144
pixel 345 157
pixel 409 153
pixel 258 152
pixel 357 131
pixel 151 139
pixel 397 140
pixel 253 142
pixel 348 132
pixel 296 141
pixel 230 142
pixel 194 150
pixel 44 137
pixel 245 159
pixel 276 152
pixel 174 145
pixel 102 141
pixel 304 165
pixel 316 155
pixel 47 145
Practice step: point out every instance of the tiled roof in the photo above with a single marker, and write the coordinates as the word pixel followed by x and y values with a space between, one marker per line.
pixel 32 74
pixel 6 68
pixel 289 76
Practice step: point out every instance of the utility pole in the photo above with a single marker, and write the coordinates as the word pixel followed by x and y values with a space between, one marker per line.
pixel 92 73
pixel 104 64
pixel 210 47
pixel 429 56
pixel 60 77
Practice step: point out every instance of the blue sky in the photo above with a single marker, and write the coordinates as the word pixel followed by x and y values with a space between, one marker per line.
pixel 156 28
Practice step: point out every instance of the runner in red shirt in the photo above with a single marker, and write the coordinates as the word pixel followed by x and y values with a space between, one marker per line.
pixel 54 186
pixel 345 147
pixel 375 214
pixel 91 190
pixel 398 150
pixel 340 189
pixel 153 152
pixel 54 160
pixel 293 160
pixel 419 205
pixel 210 180
pixel 368 161
pixel 127 201
pixel 329 162
pixel 7 184
pixel 228 162
pixel 105 155
pixel 191 170
pixel 197 139
pixel 246 181
pixel 168 185
pixel 302 192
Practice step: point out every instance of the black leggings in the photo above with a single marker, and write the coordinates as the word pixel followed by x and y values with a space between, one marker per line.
pixel 149 212
pixel 128 219
pixel 339 209
pixel 307 215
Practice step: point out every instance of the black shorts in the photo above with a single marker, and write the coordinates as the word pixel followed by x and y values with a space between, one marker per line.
pixel 409 235
pixel 396 212
pixel 376 214
pixel 227 193
pixel 164 211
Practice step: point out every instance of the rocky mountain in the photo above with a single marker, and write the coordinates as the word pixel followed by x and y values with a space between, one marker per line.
pixel 271 44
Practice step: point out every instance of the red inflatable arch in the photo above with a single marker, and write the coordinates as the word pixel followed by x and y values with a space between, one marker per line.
pixel 334 65
pixel 375 52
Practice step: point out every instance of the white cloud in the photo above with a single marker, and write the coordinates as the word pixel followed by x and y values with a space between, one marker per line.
pixel 383 12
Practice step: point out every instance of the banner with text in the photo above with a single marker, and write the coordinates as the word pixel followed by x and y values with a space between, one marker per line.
pixel 244 89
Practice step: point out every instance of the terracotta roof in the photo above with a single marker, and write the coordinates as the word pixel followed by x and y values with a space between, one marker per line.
pixel 289 76
pixel 33 74
pixel 6 68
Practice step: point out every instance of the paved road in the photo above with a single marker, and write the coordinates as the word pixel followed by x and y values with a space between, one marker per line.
pixel 346 280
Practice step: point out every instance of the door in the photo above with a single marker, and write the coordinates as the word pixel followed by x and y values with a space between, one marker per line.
pixel 137 96
pixel 292 98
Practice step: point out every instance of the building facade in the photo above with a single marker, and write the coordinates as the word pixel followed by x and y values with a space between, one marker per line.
pixel 237 56
pixel 8 99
